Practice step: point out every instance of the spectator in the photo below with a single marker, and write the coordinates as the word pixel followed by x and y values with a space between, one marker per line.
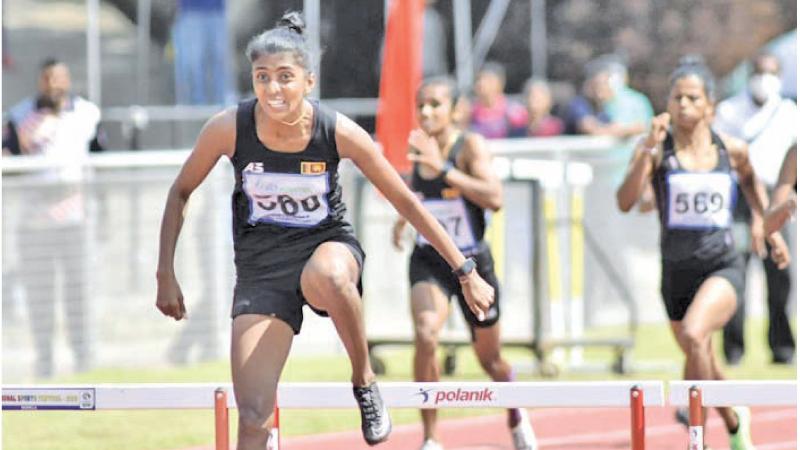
pixel 539 101
pixel 627 107
pixel 52 234
pixel 768 123
pixel 588 114
pixel 492 114
pixel 202 68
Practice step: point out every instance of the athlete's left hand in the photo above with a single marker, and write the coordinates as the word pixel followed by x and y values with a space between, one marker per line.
pixel 780 251
pixel 425 150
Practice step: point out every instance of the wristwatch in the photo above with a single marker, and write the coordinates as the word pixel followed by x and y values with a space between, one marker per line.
pixel 447 167
pixel 465 269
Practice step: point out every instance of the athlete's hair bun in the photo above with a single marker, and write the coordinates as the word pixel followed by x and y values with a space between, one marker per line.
pixel 293 21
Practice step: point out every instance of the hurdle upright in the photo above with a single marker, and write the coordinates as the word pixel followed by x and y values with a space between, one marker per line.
pixel 697 394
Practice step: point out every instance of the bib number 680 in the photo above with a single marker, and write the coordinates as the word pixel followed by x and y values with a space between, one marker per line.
pixel 288 205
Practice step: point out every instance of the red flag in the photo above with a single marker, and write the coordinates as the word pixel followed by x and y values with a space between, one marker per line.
pixel 401 74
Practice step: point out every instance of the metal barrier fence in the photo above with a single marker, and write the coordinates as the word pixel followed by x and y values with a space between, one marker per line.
pixel 83 253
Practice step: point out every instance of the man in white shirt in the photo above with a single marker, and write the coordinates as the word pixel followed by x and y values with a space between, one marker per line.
pixel 768 123
pixel 51 228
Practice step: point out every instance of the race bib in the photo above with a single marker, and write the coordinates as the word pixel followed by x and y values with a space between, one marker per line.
pixel 699 200
pixel 286 199
pixel 452 214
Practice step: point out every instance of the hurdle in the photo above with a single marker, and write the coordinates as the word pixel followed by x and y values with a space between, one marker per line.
pixel 697 394
pixel 635 395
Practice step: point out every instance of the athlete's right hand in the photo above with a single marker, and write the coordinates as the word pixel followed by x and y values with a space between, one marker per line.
pixel 397 233
pixel 478 294
pixel 169 299
pixel 658 130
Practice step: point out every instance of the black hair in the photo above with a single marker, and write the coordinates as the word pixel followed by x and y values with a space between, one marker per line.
pixel 532 82
pixel 443 80
pixel 764 54
pixel 50 62
pixel 694 65
pixel 287 36
pixel 494 68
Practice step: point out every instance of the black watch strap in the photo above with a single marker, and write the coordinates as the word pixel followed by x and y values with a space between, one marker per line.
pixel 447 167
pixel 466 268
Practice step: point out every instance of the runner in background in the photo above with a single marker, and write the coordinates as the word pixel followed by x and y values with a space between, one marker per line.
pixel 693 172
pixel 453 176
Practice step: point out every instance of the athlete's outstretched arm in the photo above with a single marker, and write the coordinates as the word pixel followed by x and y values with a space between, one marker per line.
pixel 640 168
pixel 756 195
pixel 216 139
pixel 784 201
pixel 354 143
pixel 478 182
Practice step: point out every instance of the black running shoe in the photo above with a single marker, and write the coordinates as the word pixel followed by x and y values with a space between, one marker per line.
pixel 375 422
pixel 682 416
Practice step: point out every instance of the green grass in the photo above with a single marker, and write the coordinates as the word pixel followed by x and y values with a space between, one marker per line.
pixel 178 429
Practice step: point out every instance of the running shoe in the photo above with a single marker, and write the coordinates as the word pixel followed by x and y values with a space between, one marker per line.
pixel 682 416
pixel 741 439
pixel 430 444
pixel 375 421
pixel 522 433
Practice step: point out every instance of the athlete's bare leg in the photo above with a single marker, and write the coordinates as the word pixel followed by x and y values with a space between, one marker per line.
pixel 711 308
pixel 487 349
pixel 330 283
pixel 259 348
pixel 429 308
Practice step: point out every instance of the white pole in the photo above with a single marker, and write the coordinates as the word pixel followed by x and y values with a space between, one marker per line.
pixel 143 8
pixel 93 75
pixel 462 20
pixel 538 39
pixel 312 13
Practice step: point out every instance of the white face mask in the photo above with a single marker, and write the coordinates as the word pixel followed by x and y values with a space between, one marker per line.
pixel 764 87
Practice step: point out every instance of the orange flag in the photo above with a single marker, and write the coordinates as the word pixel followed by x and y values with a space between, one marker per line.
pixel 401 74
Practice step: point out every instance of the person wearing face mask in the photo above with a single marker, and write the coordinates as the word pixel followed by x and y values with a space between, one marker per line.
pixel 768 123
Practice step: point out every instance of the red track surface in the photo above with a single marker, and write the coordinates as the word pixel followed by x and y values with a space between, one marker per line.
pixel 571 429
pixel 773 428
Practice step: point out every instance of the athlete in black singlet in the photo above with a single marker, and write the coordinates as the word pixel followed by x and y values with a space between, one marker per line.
pixel 454 178
pixel 694 174
pixel 291 243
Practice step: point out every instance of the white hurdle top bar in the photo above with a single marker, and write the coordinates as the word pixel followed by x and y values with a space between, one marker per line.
pixel 337 395
pixel 735 393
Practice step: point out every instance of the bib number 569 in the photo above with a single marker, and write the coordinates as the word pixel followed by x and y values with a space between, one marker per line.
pixel 701 202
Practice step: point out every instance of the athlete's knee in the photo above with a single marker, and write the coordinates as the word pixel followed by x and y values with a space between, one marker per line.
pixel 693 339
pixel 254 420
pixel 333 279
pixel 491 362
pixel 426 337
